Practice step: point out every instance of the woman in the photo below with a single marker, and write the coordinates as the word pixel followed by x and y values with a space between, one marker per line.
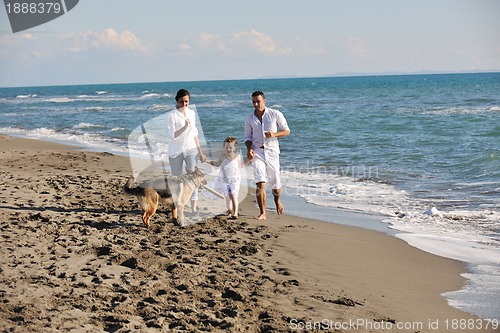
pixel 184 144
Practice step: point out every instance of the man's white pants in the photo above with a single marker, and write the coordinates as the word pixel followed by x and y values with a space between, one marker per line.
pixel 266 167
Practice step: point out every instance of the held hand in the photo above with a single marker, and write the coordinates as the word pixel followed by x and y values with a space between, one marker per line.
pixel 203 158
pixel 250 154
pixel 188 122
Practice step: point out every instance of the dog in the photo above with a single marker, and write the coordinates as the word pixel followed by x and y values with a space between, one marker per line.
pixel 174 191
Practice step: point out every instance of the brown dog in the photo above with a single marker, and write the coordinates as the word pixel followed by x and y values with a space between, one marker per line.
pixel 172 190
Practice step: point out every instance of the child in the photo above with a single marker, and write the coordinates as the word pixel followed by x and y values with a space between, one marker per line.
pixel 229 179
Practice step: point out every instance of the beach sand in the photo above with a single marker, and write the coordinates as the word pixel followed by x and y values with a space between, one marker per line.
pixel 75 257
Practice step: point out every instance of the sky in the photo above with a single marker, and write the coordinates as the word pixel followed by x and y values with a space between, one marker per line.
pixel 122 41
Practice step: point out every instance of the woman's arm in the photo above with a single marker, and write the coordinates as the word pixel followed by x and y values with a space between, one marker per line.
pixel 203 158
pixel 182 129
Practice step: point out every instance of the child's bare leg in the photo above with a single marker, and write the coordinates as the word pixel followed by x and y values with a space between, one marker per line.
pixel 229 212
pixel 234 199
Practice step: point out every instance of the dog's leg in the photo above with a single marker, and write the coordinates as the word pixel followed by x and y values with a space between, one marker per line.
pixel 180 216
pixel 152 199
pixel 145 218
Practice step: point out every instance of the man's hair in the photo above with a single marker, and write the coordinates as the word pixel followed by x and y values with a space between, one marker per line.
pixel 181 93
pixel 258 93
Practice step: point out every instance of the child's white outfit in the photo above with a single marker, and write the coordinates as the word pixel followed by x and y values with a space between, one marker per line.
pixel 229 178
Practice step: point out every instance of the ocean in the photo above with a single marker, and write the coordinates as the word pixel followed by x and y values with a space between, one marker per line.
pixel 420 152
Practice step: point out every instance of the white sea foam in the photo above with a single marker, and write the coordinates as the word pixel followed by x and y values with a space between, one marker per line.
pixel 339 191
pixel 88 125
pixel 94 108
pixel 150 95
pixel 480 226
pixel 403 212
pixel 13 114
pixel 108 98
pixel 216 103
pixel 59 100
pixel 460 110
pixel 90 140
pixel 162 107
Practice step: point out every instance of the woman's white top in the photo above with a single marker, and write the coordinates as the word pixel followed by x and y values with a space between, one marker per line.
pixel 184 143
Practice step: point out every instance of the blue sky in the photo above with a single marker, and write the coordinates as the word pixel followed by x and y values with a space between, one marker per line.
pixel 118 41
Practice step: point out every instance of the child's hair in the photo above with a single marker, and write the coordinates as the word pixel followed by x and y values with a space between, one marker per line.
pixel 231 139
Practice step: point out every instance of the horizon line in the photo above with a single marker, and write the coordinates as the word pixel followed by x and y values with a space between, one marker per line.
pixel 270 77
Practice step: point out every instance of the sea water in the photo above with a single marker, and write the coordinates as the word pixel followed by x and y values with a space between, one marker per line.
pixel 420 152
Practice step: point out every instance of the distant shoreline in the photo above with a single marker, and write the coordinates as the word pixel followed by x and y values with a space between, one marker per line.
pixel 274 77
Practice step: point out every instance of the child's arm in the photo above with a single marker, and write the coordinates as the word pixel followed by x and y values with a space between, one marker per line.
pixel 244 163
pixel 215 163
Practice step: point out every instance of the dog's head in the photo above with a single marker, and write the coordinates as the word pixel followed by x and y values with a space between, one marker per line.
pixel 199 176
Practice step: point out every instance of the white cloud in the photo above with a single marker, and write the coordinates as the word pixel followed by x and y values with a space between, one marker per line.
pixel 259 42
pixel 184 47
pixel 26 36
pixel 8 40
pixel 238 43
pixel 107 39
pixel 213 41
pixel 20 46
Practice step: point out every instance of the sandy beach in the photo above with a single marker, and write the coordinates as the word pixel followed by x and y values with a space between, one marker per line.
pixel 75 257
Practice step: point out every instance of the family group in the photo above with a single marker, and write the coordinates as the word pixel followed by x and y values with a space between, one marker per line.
pixel 263 127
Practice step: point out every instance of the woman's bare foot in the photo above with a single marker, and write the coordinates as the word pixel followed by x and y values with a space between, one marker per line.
pixel 261 217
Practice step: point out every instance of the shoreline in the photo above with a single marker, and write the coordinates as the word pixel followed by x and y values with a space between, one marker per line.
pixel 285 268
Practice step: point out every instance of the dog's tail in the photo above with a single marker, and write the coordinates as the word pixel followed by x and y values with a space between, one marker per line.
pixel 133 190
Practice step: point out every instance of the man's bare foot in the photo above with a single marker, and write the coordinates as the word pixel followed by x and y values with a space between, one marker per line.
pixel 261 217
pixel 279 208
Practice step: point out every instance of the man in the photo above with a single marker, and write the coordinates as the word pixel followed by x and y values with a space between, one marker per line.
pixel 262 129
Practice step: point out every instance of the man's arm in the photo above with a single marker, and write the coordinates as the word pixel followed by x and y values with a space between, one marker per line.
pixel 279 134
pixel 250 152
pixel 282 125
